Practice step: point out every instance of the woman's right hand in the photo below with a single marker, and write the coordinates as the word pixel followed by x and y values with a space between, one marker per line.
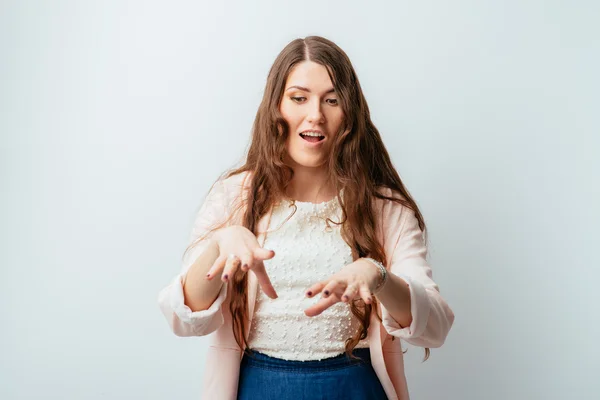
pixel 239 248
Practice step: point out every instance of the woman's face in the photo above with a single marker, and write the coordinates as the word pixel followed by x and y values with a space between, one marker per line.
pixel 311 108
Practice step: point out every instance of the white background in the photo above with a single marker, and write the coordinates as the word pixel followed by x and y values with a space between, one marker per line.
pixel 116 116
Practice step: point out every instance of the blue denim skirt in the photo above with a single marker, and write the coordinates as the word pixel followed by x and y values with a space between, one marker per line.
pixel 263 377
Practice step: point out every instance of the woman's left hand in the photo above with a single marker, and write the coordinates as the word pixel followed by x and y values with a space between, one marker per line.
pixel 354 280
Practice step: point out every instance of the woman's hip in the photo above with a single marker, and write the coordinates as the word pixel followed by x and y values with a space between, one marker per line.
pixel 265 378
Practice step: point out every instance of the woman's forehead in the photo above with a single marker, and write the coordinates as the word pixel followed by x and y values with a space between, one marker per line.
pixel 310 77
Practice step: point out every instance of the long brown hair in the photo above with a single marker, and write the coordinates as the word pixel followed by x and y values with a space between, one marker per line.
pixel 358 164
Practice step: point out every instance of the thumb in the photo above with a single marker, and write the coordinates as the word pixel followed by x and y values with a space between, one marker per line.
pixel 263 254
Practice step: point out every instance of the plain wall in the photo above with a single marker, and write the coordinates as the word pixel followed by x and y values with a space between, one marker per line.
pixel 116 116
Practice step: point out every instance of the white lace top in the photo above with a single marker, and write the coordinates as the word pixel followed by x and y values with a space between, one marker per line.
pixel 306 252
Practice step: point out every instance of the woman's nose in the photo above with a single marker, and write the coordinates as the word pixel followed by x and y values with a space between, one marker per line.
pixel 315 113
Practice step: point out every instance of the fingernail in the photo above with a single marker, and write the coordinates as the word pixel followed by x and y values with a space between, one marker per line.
pixel 326 292
pixel 225 276
pixel 245 267
pixel 345 298
pixel 309 293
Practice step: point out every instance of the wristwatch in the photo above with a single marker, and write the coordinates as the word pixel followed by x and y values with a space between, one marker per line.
pixel 382 272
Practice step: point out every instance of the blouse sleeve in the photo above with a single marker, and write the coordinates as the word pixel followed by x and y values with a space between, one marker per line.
pixel 406 253
pixel 182 320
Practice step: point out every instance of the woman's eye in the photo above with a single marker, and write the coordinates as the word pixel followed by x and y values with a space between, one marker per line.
pixel 332 102
pixel 298 99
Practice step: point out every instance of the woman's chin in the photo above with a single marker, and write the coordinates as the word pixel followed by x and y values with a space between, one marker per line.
pixel 303 160
pixel 309 162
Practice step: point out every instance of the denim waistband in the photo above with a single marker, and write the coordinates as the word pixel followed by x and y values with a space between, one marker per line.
pixel 262 360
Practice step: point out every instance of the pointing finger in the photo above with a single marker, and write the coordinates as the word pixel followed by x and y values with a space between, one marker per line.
pixel 263 280
pixel 320 306
pixel 263 254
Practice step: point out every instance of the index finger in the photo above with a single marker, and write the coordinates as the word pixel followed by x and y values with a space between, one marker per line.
pixel 263 279
pixel 323 304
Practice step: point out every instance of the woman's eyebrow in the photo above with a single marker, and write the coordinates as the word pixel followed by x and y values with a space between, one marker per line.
pixel 308 90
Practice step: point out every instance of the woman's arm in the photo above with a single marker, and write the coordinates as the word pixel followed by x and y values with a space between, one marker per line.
pixel 430 315
pixel 394 295
pixel 198 292
pixel 190 303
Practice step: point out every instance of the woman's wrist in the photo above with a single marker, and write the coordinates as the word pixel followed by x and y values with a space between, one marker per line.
pixel 382 274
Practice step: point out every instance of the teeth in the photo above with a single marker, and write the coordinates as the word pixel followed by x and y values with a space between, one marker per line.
pixel 311 134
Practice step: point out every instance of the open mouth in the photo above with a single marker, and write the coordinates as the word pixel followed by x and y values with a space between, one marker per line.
pixel 312 139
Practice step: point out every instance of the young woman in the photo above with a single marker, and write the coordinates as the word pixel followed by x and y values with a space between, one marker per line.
pixel 309 261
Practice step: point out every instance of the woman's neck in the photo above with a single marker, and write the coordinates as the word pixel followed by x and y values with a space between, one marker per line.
pixel 310 185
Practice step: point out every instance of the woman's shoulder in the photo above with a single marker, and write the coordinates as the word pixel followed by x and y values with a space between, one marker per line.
pixel 233 184
pixel 385 195
pixel 391 204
